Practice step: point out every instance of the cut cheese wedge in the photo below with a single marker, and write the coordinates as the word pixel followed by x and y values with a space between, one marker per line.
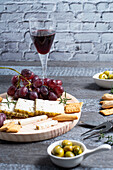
pixel 32 120
pixel 5 108
pixel 10 110
pixel 49 108
pixel 46 124
pixel 25 106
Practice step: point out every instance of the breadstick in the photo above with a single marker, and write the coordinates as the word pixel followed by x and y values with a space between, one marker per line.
pixel 32 120
pixel 65 117
pixel 107 96
pixel 6 126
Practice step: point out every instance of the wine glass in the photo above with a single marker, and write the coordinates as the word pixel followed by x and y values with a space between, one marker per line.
pixel 42 33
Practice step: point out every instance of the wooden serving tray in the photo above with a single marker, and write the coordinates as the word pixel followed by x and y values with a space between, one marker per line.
pixel 28 134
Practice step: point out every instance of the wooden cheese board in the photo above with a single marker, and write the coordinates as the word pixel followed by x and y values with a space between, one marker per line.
pixel 29 134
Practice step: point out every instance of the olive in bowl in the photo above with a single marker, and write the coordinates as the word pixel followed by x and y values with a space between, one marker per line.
pixel 67 149
pixel 72 157
pixel 104 79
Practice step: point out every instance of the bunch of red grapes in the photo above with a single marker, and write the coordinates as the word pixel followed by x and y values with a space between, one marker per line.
pixel 47 89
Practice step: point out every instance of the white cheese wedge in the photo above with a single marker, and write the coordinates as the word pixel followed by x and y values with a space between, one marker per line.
pixel 32 120
pixel 46 124
pixel 4 106
pixel 50 108
pixel 25 106
pixel 9 110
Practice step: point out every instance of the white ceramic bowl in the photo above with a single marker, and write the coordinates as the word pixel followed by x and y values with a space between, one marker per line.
pixel 69 162
pixel 105 83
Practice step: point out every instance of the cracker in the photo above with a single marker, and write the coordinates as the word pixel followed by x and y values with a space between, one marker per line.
pixel 14 129
pixel 107 104
pixel 1 99
pixel 107 96
pixel 65 117
pixel 6 126
pixel 107 112
pixel 73 107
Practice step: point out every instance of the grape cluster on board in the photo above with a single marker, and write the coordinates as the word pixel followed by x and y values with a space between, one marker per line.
pixel 30 86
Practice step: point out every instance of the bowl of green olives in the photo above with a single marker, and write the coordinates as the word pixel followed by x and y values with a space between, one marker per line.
pixel 104 79
pixel 70 153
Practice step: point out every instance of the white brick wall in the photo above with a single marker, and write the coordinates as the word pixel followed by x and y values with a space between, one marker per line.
pixel 84 29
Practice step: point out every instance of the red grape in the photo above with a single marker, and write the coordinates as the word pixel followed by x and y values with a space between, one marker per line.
pixel 11 90
pixel 26 83
pixel 23 91
pixel 37 90
pixel 3 115
pixel 52 83
pixel 27 74
pixel 52 96
pixel 33 95
pixel 40 96
pixel 37 83
pixel 59 82
pixel 58 90
pixel 44 90
pixel 46 80
pixel 14 80
pixel 35 78
pixel 1 120
pixel 16 95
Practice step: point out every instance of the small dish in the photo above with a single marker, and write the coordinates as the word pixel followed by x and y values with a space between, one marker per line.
pixel 69 162
pixel 105 83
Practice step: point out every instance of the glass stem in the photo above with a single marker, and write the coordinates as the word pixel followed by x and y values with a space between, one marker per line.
pixel 43 59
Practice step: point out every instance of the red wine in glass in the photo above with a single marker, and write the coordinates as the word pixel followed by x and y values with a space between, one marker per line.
pixel 43 40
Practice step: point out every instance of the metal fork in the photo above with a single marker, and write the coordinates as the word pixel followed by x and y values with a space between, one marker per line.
pixel 103 127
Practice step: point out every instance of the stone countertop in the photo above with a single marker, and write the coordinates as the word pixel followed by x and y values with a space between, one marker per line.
pixel 77 80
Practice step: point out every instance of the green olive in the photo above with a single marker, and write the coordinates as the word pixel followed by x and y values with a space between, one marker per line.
pixel 66 143
pixel 111 76
pixel 69 154
pixel 68 148
pixel 77 150
pixel 106 72
pixel 58 151
pixel 103 76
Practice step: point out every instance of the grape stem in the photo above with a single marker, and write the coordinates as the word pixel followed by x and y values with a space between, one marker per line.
pixel 16 72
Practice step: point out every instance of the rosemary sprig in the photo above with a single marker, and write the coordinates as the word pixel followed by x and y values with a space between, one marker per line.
pixel 64 99
pixel 109 139
pixel 112 90
pixel 8 102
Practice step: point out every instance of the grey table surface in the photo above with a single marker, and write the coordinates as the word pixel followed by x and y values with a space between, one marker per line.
pixel 77 80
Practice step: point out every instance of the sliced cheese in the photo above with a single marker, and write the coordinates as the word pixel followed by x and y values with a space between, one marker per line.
pixel 32 120
pixel 25 106
pixel 9 110
pixel 50 108
pixel 5 108
pixel 46 124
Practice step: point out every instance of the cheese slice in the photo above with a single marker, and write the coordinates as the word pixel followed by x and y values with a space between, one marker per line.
pixel 46 124
pixel 25 106
pixel 9 110
pixel 49 108
pixel 5 108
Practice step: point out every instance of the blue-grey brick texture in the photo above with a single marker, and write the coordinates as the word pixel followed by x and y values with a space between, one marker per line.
pixel 84 29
